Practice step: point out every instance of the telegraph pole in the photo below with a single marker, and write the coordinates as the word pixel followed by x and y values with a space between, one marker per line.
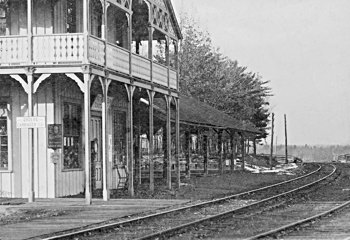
pixel 272 130
pixel 286 139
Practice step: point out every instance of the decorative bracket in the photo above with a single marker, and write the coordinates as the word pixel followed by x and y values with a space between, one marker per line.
pixel 24 84
pixel 39 81
pixel 77 80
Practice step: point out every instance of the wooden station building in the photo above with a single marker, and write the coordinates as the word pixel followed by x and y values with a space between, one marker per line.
pixel 72 73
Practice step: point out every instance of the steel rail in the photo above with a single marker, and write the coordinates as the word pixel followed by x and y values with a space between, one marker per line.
pixel 168 232
pixel 80 231
pixel 299 223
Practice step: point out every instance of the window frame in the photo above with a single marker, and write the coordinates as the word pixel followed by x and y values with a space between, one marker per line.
pixel 117 162
pixel 9 135
pixel 3 19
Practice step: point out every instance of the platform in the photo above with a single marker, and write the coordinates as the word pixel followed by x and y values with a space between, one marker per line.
pixel 76 214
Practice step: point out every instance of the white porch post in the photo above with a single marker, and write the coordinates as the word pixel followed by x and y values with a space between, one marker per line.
pixel 86 28
pixel 177 143
pixel 30 31
pixel 130 127
pixel 151 141
pixel 31 193
pixel 88 195
pixel 168 134
pixel 106 193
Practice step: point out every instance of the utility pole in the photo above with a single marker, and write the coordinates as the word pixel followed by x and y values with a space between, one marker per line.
pixel 272 129
pixel 276 144
pixel 286 139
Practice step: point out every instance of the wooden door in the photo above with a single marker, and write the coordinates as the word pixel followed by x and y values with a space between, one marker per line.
pixel 96 152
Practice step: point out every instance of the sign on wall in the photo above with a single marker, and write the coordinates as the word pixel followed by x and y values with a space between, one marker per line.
pixel 55 136
pixel 97 104
pixel 30 122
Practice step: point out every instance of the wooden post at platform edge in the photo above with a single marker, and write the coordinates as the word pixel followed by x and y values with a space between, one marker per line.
pixel 188 153
pixel 220 152
pixel 243 151
pixel 206 153
pixel 272 136
pixel 285 137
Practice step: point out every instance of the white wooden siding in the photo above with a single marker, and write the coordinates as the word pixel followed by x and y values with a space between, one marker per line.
pixel 68 182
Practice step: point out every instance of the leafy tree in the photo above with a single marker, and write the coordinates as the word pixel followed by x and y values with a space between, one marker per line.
pixel 213 78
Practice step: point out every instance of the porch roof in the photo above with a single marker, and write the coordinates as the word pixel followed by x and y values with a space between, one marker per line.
pixel 193 111
pixel 197 113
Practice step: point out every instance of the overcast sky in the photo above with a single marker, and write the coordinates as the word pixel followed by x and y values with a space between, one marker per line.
pixel 301 46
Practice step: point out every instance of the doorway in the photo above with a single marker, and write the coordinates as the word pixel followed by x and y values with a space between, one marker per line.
pixel 96 152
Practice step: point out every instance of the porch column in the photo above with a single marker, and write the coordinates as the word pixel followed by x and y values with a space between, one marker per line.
pixel 254 146
pixel 233 150
pixel 188 153
pixel 139 149
pixel 206 153
pixel 221 167
pixel 104 20
pixel 86 29
pixel 130 126
pixel 130 43
pixel 106 193
pixel 150 46
pixel 168 134
pixel 88 195
pixel 31 193
pixel 177 143
pixel 151 141
pixel 243 151
pixel 30 30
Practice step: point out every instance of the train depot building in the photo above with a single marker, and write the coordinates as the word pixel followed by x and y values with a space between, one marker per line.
pixel 85 87
pixel 82 66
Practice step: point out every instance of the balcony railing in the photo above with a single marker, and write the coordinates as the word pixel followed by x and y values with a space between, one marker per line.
pixel 13 50
pixel 56 49
pixel 118 58
pixel 141 67
pixel 96 51
pixel 160 74
pixel 173 79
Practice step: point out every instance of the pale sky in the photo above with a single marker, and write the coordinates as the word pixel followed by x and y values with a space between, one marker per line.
pixel 301 46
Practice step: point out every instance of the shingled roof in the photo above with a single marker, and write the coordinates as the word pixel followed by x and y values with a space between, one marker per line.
pixel 195 112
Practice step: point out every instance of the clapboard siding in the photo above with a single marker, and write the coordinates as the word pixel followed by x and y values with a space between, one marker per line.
pixel 42 161
pixel 16 144
pixel 50 167
pixel 68 182
pixel 6 185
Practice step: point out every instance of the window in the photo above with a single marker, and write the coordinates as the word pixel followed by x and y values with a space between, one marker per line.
pixel 71 16
pixel 140 29
pixel 3 13
pixel 160 47
pixel 119 126
pixel 3 137
pixel 13 17
pixel 71 136
pixel 118 27
pixel 96 18
pixel 173 54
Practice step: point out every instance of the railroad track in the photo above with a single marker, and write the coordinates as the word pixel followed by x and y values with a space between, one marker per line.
pixel 310 214
pixel 147 227
pixel 280 221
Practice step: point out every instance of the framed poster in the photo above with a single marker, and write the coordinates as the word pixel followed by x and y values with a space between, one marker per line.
pixel 55 136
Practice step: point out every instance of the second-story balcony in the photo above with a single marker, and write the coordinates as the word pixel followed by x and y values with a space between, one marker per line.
pixel 55 43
